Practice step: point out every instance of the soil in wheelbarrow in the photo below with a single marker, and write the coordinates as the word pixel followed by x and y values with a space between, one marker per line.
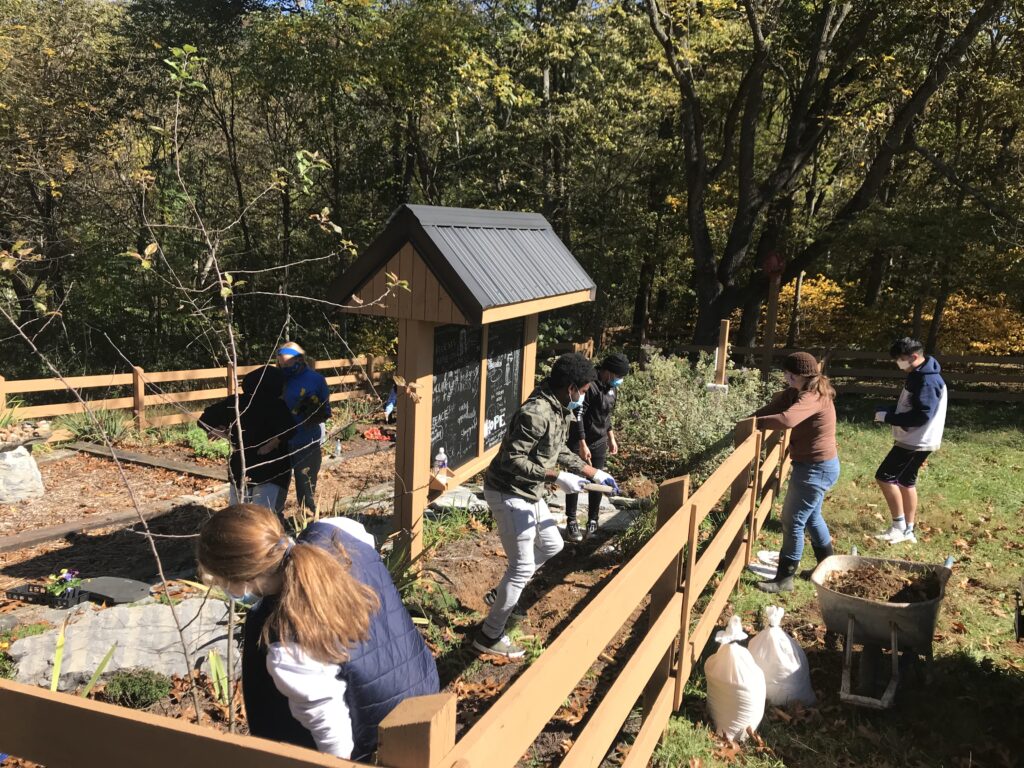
pixel 886 584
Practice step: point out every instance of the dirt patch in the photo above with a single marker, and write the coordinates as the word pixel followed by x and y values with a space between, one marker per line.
pixel 174 451
pixel 80 486
pixel 352 477
pixel 886 584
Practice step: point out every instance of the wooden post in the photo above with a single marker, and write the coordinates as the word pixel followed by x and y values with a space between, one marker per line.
pixel 742 431
pixel 484 339
pixel 685 653
pixel 530 323
pixel 371 366
pixel 139 397
pixel 723 350
pixel 231 378
pixel 755 479
pixel 672 496
pixel 3 395
pixel 418 733
pixel 412 457
pixel 771 322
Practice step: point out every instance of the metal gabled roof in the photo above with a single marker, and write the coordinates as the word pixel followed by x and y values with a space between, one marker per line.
pixel 484 259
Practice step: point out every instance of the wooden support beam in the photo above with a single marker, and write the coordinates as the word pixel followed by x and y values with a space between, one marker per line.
pixel 418 733
pixel 139 396
pixel 721 356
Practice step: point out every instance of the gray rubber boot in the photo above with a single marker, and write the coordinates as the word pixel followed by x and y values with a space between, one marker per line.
pixel 820 553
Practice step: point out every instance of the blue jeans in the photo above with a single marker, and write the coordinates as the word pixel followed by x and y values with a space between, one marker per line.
pixel 306 465
pixel 808 484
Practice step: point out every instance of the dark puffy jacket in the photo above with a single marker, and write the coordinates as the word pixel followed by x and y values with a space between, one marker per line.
pixel 392 665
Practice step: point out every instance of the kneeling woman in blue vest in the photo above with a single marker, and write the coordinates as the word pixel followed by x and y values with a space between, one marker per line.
pixel 329 648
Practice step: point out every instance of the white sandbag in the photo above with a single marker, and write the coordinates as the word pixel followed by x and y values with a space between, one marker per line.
pixel 786 671
pixel 736 686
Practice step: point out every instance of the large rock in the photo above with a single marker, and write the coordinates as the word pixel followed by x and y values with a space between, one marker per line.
pixel 145 636
pixel 19 476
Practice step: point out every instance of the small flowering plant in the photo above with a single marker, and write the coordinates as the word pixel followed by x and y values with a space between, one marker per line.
pixel 65 581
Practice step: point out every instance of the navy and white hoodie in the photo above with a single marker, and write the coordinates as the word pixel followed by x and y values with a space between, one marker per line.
pixel 920 414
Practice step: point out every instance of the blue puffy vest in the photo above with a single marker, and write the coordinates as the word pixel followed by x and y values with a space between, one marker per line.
pixel 392 665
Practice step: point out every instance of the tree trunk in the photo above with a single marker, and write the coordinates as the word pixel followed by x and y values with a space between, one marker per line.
pixel 918 322
pixel 642 303
pixel 931 346
pixel 875 277
pixel 748 325
pixel 794 321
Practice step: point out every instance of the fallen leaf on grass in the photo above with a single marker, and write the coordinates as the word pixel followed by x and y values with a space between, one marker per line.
pixel 961 544
pixel 782 715
pixel 958 628
pixel 696 762
pixel 728 751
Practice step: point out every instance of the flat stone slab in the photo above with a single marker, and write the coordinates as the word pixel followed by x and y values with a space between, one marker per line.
pixel 145 636
pixel 115 590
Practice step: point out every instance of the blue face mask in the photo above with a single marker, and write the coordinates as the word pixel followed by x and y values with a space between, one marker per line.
pixel 576 403
pixel 617 382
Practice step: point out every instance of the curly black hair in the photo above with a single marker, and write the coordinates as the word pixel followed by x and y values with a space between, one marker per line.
pixel 905 346
pixel 572 369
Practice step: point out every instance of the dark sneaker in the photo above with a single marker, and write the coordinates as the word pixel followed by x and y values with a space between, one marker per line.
pixel 500 647
pixel 572 531
pixel 591 528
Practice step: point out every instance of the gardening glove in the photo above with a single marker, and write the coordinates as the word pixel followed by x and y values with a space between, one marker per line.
pixel 880 416
pixel 570 483
pixel 600 476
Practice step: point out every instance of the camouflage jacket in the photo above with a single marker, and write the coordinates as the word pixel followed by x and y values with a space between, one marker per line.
pixel 534 443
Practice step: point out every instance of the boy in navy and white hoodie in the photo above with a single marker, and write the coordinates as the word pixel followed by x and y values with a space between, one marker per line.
pixel 917 424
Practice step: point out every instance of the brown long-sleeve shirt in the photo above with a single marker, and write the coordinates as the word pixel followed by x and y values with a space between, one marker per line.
pixel 812 419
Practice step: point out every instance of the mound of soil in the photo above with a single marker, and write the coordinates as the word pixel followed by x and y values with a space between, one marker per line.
pixel 886 584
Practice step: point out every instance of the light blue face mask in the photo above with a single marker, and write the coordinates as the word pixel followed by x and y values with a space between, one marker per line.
pixel 617 382
pixel 576 403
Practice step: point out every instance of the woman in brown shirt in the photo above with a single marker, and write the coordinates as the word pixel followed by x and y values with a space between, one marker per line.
pixel 807 408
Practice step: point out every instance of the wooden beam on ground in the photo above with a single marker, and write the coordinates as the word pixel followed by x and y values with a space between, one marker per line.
pixel 172 465
pixel 62 731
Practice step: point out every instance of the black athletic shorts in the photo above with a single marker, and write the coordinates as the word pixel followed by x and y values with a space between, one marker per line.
pixel 900 466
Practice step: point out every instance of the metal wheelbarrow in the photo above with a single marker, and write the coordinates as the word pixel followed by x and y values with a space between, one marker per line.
pixel 877 625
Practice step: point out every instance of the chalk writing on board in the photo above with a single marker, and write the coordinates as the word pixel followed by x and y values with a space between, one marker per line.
pixel 455 420
pixel 504 378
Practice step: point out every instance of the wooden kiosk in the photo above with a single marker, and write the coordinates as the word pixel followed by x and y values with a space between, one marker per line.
pixel 467 332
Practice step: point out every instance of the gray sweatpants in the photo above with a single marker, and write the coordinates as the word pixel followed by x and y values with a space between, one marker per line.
pixel 530 538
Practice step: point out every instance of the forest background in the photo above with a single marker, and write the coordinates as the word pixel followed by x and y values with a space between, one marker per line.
pixel 682 150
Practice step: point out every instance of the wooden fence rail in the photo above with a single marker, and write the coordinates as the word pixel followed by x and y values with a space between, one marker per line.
pixel 351 379
pixel 686 564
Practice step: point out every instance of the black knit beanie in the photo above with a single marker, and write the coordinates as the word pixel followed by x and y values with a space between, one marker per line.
pixel 616 363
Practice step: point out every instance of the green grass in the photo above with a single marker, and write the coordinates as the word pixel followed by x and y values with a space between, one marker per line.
pixel 7 666
pixel 971 503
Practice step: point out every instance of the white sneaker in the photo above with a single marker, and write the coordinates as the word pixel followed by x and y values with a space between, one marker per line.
pixel 902 537
pixel 892 535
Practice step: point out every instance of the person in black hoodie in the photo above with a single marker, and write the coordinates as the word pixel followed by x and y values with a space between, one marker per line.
pixel 593 438
pixel 259 467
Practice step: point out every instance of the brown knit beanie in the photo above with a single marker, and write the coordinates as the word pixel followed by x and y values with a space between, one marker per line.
pixel 802 364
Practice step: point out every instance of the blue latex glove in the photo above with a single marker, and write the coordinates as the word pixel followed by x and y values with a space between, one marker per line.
pixel 600 476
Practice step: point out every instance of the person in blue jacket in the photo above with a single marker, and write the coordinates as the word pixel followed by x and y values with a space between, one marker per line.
pixel 329 649
pixel 917 421
pixel 307 396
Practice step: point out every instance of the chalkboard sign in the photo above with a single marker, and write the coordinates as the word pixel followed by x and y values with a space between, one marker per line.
pixel 455 423
pixel 504 378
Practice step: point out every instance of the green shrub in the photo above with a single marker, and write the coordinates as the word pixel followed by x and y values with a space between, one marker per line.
pixel 205 448
pixel 117 426
pixel 137 688
pixel 7 667
pixel 668 424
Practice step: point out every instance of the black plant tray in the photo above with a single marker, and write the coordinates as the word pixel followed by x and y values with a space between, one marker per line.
pixel 33 593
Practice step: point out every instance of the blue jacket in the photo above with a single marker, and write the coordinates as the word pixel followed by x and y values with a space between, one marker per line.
pixel 392 665
pixel 920 414
pixel 307 396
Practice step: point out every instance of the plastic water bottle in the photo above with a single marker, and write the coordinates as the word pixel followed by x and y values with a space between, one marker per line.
pixel 949 562
pixel 853 550
pixel 337 447
pixel 441 460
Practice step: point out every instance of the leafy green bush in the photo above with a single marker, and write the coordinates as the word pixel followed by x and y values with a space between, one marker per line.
pixel 7 667
pixel 205 448
pixel 117 426
pixel 668 424
pixel 137 688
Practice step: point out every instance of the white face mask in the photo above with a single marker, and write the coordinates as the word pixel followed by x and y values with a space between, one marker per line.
pixel 577 402
pixel 904 365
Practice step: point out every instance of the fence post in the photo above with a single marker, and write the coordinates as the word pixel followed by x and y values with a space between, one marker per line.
pixel 723 349
pixel 743 430
pixel 139 397
pixel 371 364
pixel 418 733
pixel 755 476
pixel 771 321
pixel 685 655
pixel 3 394
pixel 672 496
pixel 232 379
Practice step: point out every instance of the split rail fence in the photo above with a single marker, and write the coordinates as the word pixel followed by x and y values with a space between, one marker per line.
pixel 688 570
pixel 347 378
